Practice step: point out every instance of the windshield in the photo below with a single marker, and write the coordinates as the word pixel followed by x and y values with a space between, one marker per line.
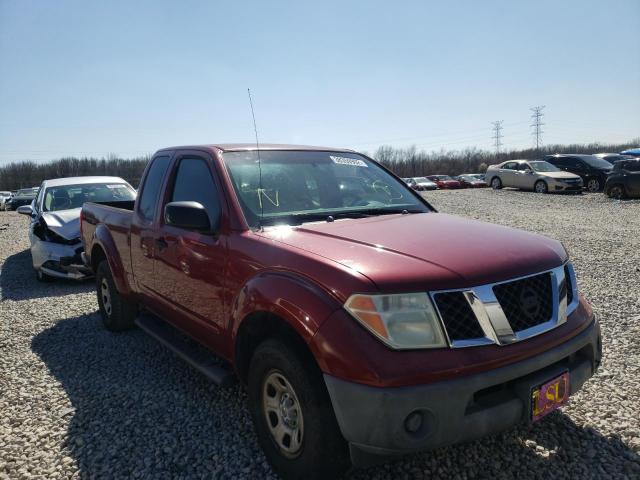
pixel 26 192
pixel 595 162
pixel 442 177
pixel 541 166
pixel 66 197
pixel 300 186
pixel 422 180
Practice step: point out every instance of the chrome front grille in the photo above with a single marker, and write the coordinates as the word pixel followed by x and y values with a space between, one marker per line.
pixel 526 302
pixel 507 312
pixel 457 316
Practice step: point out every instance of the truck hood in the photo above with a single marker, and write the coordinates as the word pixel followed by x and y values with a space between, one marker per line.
pixel 428 251
pixel 65 223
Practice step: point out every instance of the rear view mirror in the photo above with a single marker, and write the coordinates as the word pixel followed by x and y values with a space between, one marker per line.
pixel 25 210
pixel 187 215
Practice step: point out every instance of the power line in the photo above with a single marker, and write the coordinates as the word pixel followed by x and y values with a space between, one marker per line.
pixel 497 134
pixel 537 124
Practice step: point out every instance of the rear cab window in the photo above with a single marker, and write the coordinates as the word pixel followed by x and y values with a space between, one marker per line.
pixel 151 186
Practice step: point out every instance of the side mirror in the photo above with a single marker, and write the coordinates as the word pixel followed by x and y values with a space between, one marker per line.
pixel 187 215
pixel 25 210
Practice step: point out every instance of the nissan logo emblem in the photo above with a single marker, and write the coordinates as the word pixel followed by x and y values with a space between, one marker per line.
pixel 530 302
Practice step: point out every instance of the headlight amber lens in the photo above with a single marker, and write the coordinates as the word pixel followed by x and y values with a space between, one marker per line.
pixel 401 321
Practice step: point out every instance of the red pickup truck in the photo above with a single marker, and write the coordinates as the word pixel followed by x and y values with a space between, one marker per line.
pixel 364 323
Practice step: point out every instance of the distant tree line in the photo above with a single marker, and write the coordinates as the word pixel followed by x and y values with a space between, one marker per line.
pixel 31 174
pixel 405 162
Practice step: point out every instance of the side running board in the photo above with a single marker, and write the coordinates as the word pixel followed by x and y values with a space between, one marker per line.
pixel 188 350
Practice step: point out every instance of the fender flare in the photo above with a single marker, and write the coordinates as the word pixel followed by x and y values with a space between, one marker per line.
pixel 102 238
pixel 297 300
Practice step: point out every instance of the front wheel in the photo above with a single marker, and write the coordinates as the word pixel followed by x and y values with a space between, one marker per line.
pixel 616 191
pixel 541 187
pixel 496 183
pixel 593 185
pixel 118 314
pixel 292 414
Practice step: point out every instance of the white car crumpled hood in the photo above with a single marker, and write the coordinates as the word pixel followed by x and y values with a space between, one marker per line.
pixel 65 223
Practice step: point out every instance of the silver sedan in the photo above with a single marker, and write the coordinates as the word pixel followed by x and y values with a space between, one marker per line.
pixel 536 175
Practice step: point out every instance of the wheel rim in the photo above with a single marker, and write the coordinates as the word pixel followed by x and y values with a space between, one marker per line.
pixel 283 414
pixel 495 183
pixel 616 192
pixel 593 185
pixel 106 296
pixel 541 187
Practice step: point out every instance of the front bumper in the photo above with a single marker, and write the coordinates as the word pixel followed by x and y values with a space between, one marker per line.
pixel 59 260
pixel 372 419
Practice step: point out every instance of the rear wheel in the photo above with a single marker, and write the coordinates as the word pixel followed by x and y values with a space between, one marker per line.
pixel 496 183
pixel 118 314
pixel 293 415
pixel 541 187
pixel 593 185
pixel 616 191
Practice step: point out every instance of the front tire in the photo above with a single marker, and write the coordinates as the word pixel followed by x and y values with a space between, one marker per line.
pixel 541 187
pixel 292 414
pixel 496 183
pixel 616 191
pixel 593 185
pixel 118 314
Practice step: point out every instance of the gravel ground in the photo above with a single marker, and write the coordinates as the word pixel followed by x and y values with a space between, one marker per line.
pixel 78 401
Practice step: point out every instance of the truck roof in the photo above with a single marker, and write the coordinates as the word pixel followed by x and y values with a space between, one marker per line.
pixel 238 147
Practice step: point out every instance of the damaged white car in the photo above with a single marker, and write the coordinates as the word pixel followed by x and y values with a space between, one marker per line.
pixel 54 230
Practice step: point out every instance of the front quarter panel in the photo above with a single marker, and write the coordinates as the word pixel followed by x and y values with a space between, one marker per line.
pixel 299 302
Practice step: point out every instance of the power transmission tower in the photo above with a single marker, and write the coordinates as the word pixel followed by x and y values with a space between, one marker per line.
pixel 497 134
pixel 537 124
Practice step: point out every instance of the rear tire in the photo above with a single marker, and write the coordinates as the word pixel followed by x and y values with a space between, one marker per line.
pixel 541 187
pixel 117 313
pixel 496 183
pixel 279 375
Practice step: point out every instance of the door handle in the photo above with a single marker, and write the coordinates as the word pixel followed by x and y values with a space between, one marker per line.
pixel 161 243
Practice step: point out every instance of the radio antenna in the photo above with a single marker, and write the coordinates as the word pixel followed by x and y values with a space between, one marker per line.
pixel 260 190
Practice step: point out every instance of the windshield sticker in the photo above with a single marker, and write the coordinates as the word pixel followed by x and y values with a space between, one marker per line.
pixel 115 186
pixel 354 162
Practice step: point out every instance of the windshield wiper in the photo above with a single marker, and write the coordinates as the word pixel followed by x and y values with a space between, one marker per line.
pixel 300 218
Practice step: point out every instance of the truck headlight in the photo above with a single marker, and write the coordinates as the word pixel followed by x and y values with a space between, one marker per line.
pixel 402 321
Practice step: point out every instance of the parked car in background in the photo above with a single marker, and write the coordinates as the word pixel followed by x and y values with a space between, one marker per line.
pixel 470 181
pixel 22 197
pixel 612 158
pixel 634 152
pixel 624 180
pixel 54 230
pixel 5 196
pixel 536 175
pixel 445 181
pixel 593 170
pixel 362 329
pixel 478 176
pixel 421 183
